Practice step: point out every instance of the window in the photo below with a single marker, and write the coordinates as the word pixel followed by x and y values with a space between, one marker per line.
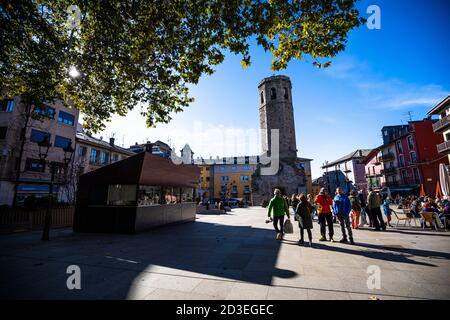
pixel 6 105
pixel 234 189
pixel 410 143
pixel 35 165
pixel 386 133
pixel 416 175
pixel 246 189
pixel 122 195
pixel 60 168
pixel 273 94
pixel 38 136
pixel 245 178
pixel 286 95
pixel 82 150
pixel 404 176
pixel 401 161
pixel 149 196
pixel 413 157
pixel 66 118
pixel 61 142
pixel 115 157
pixel 225 178
pixel 399 147
pixel 104 157
pixel 45 111
pixel 3 131
pixel 262 97
pixel 94 156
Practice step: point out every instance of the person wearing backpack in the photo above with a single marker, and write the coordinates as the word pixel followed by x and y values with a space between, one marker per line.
pixel 356 209
pixel 374 204
pixel 279 206
pixel 304 213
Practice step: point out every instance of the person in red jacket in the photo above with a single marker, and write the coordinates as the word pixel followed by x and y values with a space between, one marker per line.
pixel 324 203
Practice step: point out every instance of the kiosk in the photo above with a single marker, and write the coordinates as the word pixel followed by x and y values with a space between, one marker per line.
pixel 136 194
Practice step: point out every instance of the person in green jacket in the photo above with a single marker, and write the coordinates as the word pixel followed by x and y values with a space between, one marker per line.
pixel 280 207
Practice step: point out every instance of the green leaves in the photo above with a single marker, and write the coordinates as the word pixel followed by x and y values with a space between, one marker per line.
pixel 146 53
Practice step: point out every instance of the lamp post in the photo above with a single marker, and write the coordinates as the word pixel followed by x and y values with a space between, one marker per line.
pixel 44 147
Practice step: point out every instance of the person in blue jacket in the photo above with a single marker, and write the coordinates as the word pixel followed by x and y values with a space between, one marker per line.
pixel 342 208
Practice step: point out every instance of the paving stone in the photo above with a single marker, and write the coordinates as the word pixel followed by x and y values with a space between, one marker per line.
pixel 248 291
pixel 233 256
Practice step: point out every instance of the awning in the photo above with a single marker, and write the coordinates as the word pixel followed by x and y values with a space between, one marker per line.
pixel 404 189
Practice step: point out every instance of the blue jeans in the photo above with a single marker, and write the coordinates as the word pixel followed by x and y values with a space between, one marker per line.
pixel 344 221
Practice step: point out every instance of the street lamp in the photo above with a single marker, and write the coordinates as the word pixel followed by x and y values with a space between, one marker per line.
pixel 44 147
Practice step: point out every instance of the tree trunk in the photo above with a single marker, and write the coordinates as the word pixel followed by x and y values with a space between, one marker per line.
pixel 22 146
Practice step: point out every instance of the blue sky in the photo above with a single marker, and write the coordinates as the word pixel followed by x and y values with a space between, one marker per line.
pixel 380 76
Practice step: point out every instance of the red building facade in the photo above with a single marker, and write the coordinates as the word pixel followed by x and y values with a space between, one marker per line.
pixel 417 156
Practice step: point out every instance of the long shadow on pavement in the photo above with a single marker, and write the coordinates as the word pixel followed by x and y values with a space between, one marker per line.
pixel 402 257
pixel 112 264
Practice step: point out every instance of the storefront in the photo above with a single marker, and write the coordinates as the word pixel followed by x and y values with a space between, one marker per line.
pixel 136 194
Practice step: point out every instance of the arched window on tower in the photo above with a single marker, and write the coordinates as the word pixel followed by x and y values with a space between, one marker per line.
pixel 262 97
pixel 286 95
pixel 273 94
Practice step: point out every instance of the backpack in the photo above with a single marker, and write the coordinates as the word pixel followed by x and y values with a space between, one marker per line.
pixel 356 206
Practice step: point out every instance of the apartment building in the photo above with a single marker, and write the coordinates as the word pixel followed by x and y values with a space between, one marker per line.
pixel 347 172
pixel 22 127
pixel 231 177
pixel 92 153
pixel 442 126
pixel 374 170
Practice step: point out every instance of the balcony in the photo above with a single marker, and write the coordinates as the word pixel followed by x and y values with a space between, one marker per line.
pixel 389 171
pixel 387 157
pixel 442 124
pixel 444 147
pixel 409 181
pixel 391 184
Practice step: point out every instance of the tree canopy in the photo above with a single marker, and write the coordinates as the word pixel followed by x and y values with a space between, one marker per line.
pixel 145 53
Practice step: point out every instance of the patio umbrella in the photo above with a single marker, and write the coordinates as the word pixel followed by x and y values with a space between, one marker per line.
pixel 444 179
pixel 389 192
pixel 422 191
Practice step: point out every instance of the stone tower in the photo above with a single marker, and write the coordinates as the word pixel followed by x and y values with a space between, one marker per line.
pixel 276 112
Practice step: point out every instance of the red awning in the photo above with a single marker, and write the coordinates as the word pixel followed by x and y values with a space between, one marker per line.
pixel 438 190
pixel 422 191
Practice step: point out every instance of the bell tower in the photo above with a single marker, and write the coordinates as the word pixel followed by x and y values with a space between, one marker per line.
pixel 276 112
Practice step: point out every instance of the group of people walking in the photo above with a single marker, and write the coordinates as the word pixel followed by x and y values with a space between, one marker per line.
pixel 351 212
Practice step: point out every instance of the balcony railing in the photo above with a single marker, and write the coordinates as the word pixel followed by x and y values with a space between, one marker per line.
pixel 387 157
pixel 444 147
pixel 391 184
pixel 389 171
pixel 442 124
pixel 410 181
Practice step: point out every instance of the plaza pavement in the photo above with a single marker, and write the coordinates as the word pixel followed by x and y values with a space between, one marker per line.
pixel 229 256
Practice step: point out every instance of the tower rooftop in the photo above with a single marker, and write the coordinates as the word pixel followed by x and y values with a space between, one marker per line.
pixel 273 78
